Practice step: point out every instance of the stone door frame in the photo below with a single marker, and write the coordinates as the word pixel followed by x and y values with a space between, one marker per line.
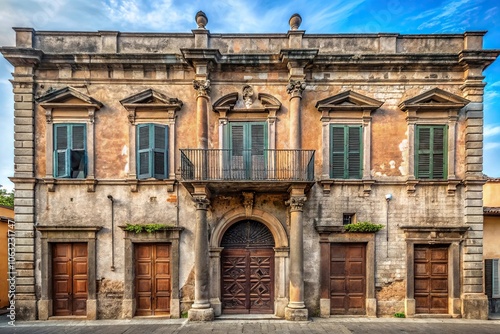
pixel 451 237
pixel 170 236
pixel 281 256
pixel 334 234
pixel 67 234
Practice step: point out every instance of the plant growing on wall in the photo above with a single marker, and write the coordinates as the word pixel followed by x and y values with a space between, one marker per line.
pixel 149 228
pixel 363 227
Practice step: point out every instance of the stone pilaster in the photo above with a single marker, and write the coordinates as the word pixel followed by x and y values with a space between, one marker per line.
pixel 201 309
pixel 296 310
pixel 24 172
pixel 474 300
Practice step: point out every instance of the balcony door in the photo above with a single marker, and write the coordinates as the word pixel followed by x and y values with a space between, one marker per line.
pixel 247 147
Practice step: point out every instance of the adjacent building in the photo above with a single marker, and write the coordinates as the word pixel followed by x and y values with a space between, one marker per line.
pixel 491 252
pixel 241 157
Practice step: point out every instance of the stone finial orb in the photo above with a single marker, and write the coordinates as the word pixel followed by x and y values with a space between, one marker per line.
pixel 201 20
pixel 295 21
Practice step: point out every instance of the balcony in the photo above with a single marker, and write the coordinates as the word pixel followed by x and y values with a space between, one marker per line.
pixel 259 169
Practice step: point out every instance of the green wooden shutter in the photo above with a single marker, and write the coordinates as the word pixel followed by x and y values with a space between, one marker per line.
pixel 424 152
pixel 337 146
pixel 61 150
pixel 143 151
pixel 354 152
pixel 258 143
pixel 237 162
pixel 78 152
pixel 160 151
pixel 438 151
pixel 495 284
pixel 431 152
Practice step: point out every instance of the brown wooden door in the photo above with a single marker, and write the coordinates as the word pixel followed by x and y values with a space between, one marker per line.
pixel 70 278
pixel 431 279
pixel 247 280
pixel 347 278
pixel 152 279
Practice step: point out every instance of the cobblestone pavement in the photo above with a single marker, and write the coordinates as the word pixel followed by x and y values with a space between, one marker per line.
pixel 315 325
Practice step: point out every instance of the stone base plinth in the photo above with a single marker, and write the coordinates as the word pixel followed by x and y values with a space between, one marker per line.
pixel 201 314
pixel 91 309
pixel 324 308
pixel 371 307
pixel 127 308
pixel 475 306
pixel 280 306
pixel 296 314
pixel 44 305
pixel 26 309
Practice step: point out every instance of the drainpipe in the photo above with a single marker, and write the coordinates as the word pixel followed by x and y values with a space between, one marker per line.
pixel 388 198
pixel 112 233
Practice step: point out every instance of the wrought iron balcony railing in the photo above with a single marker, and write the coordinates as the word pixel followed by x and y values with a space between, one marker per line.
pixel 249 165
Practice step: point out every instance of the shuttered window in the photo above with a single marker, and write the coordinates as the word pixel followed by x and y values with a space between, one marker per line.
pixel 152 151
pixel 247 144
pixel 70 153
pixel 495 283
pixel 431 152
pixel 346 151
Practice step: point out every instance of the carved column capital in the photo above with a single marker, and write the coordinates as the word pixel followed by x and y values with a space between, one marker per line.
pixel 201 202
pixel 202 87
pixel 295 88
pixel 296 202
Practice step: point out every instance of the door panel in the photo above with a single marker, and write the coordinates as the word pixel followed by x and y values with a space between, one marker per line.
pixel 152 279
pixel 70 278
pixel 347 278
pixel 431 279
pixel 247 280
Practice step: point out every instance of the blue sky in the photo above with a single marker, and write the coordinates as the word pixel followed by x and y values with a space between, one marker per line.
pixel 255 16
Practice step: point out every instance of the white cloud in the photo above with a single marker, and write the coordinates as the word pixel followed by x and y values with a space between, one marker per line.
pixel 491 146
pixel 490 130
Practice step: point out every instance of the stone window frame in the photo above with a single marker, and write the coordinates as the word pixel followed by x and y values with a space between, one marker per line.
pixel 347 108
pixel 170 235
pixel 67 234
pixel 69 106
pixel 152 107
pixel 335 234
pixel 451 236
pixel 433 107
pixel 233 108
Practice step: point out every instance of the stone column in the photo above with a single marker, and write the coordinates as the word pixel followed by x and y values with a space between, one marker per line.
pixel 296 308
pixel 295 89
pixel 201 309
pixel 203 89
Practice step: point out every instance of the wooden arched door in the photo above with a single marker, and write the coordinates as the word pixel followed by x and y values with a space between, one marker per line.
pixel 247 263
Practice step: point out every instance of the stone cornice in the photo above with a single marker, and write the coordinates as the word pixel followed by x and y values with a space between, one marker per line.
pixel 22 56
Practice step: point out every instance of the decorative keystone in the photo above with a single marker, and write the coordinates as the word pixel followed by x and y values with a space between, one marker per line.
pixel 201 20
pixel 295 21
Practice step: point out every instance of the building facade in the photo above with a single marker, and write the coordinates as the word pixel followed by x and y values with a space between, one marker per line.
pixel 244 155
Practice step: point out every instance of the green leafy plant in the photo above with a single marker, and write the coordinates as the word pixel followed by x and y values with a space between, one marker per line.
pixel 184 314
pixel 6 198
pixel 399 315
pixel 149 228
pixel 363 227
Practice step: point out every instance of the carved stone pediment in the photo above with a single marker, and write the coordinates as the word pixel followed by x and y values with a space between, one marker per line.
pixel 247 103
pixel 434 99
pixel 151 104
pixel 68 103
pixel 348 101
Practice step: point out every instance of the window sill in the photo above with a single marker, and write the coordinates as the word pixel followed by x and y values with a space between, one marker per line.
pixel 451 183
pixel 92 183
pixel 366 184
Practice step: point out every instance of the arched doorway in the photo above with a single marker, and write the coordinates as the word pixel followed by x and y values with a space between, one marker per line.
pixel 247 268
